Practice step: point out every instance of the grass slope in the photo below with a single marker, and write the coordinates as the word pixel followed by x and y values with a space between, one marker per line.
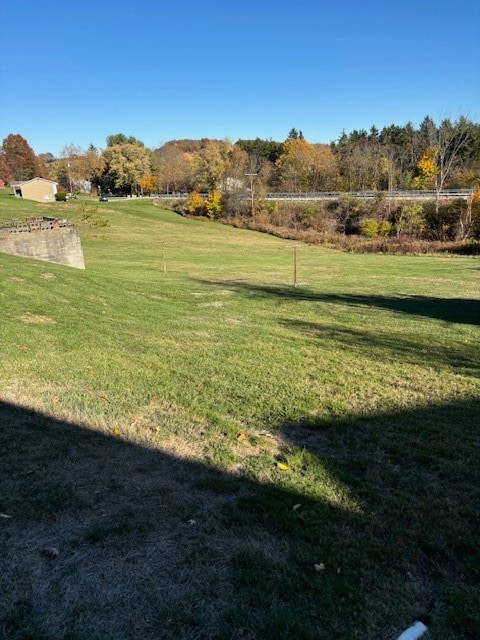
pixel 217 454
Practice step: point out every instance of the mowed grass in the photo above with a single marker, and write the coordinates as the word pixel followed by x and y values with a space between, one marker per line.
pixel 217 454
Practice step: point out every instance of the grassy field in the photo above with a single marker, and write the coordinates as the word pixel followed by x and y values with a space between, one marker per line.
pixel 216 454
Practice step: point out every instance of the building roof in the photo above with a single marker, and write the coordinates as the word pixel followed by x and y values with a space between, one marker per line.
pixel 19 183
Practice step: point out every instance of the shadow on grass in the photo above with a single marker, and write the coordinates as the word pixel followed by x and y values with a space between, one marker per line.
pixel 152 546
pixel 457 310
pixel 465 357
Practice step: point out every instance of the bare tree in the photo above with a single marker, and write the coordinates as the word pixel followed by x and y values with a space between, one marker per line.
pixel 449 141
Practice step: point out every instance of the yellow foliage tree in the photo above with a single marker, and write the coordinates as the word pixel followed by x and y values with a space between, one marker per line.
pixel 127 164
pixel 213 204
pixel 148 183
pixel 194 204
pixel 427 169
pixel 305 166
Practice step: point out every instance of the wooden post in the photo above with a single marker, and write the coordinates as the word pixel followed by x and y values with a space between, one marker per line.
pixel 295 265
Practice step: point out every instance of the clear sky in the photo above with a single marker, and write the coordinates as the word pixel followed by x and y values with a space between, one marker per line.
pixel 75 72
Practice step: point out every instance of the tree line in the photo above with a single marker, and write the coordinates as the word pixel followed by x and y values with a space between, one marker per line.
pixel 236 175
pixel 430 156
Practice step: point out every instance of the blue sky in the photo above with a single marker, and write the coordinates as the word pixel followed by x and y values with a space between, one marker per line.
pixel 75 72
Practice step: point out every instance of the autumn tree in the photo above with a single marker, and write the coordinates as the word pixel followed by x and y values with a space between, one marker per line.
pixel 94 164
pixel 426 169
pixel 445 150
pixel 324 170
pixel 77 166
pixel 213 204
pixel 304 166
pixel 212 164
pixel 19 158
pixel 194 204
pixel 125 166
pixel 236 166
pixel 175 168
pixel 45 162
pixel 294 163
pixel 396 155
pixel 148 183
pixel 121 138
pixel 4 170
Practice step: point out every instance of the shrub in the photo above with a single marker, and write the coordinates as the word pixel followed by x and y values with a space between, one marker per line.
pixel 384 228
pixel 308 212
pixel 444 224
pixel 475 213
pixel 369 227
pixel 410 220
pixel 61 196
pixel 234 205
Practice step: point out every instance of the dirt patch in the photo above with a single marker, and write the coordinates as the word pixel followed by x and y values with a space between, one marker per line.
pixel 216 303
pixel 32 318
pixel 220 292
pixel 254 444
pixel 98 300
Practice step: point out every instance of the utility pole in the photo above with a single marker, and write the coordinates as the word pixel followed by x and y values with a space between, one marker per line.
pixel 251 176
pixel 70 178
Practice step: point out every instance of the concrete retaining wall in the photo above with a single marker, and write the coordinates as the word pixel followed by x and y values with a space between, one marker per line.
pixel 60 245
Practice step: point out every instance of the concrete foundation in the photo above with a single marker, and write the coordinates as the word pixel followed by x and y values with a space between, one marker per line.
pixel 58 244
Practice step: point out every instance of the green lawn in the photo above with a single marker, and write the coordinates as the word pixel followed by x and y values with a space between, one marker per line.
pixel 217 454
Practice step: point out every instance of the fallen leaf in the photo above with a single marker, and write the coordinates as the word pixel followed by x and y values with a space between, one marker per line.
pixel 4 515
pixel 241 436
pixel 319 567
pixel 296 507
pixel 116 431
pixel 282 466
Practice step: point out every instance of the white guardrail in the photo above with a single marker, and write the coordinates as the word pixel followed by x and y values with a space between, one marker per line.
pixel 388 195
pixel 337 195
